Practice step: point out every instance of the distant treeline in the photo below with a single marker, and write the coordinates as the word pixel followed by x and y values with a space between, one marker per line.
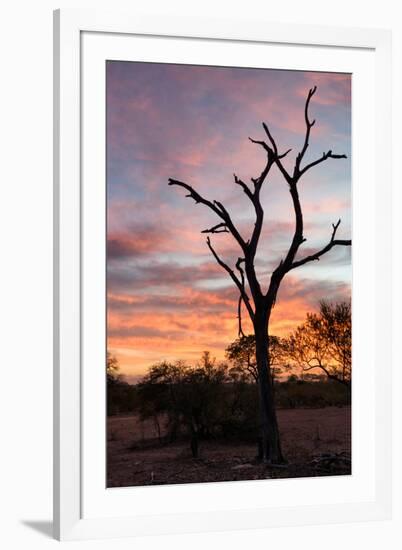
pixel 295 392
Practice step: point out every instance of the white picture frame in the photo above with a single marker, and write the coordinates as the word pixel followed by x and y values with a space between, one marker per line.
pixel 83 507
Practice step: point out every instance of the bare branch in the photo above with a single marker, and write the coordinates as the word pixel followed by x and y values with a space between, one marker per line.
pixel 284 154
pixel 218 228
pixel 222 264
pixel 240 269
pixel 273 155
pixel 333 242
pixel 297 239
pixel 298 172
pixel 325 156
pixel 245 187
pixel 240 331
pixel 261 178
pixel 244 293
pixel 327 373
pixel 238 266
pixel 271 139
pixel 235 279
pixel 309 125
pixel 263 145
pixel 224 214
pixel 335 228
pixel 192 193
pixel 215 206
pixel 273 143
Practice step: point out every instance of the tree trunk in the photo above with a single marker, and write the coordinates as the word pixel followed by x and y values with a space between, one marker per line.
pixel 270 447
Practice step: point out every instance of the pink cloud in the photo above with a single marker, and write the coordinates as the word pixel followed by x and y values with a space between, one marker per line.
pixel 168 298
pixel 332 88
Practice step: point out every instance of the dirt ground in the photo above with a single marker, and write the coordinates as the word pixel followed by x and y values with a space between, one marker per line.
pixel 315 442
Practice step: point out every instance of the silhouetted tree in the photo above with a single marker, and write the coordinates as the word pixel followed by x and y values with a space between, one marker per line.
pixel 324 342
pixel 259 306
pixel 121 396
pixel 242 353
pixel 159 393
pixel 193 397
pixel 112 368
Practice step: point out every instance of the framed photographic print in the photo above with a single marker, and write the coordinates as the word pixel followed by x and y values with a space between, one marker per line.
pixel 222 275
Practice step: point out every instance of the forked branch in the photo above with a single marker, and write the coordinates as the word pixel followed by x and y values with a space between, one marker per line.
pixel 218 228
pixel 240 329
pixel 215 206
pixel 333 242
pixel 245 187
pixel 273 155
pixel 325 156
pixel 238 282
pixel 309 125
pixel 298 171
pixel 238 266
pixel 273 143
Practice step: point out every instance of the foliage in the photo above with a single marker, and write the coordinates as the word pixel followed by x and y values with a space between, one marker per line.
pixel 204 401
pixel 296 393
pixel 324 342
pixel 121 396
pixel 242 353
pixel 112 368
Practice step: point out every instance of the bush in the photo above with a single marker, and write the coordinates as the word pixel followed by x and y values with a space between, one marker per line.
pixel 212 400
pixel 300 394
pixel 121 397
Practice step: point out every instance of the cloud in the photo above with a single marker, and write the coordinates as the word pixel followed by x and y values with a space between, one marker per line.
pixel 295 295
pixel 156 274
pixel 188 298
pixel 183 327
pixel 332 88
pixel 137 242
pixel 167 297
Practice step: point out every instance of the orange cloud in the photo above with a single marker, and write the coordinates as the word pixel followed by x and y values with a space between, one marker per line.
pixel 196 321
pixel 167 297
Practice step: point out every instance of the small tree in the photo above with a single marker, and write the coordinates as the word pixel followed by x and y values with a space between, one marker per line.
pixel 159 393
pixel 324 342
pixel 112 369
pixel 192 397
pixel 260 305
pixel 121 396
pixel 242 353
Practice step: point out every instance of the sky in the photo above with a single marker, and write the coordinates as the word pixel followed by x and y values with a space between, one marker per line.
pixel 167 298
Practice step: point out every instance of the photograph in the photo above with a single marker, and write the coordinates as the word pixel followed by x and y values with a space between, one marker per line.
pixel 228 273
pixel 201 249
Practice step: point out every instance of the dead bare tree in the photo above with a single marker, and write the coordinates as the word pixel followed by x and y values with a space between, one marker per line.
pixel 259 306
